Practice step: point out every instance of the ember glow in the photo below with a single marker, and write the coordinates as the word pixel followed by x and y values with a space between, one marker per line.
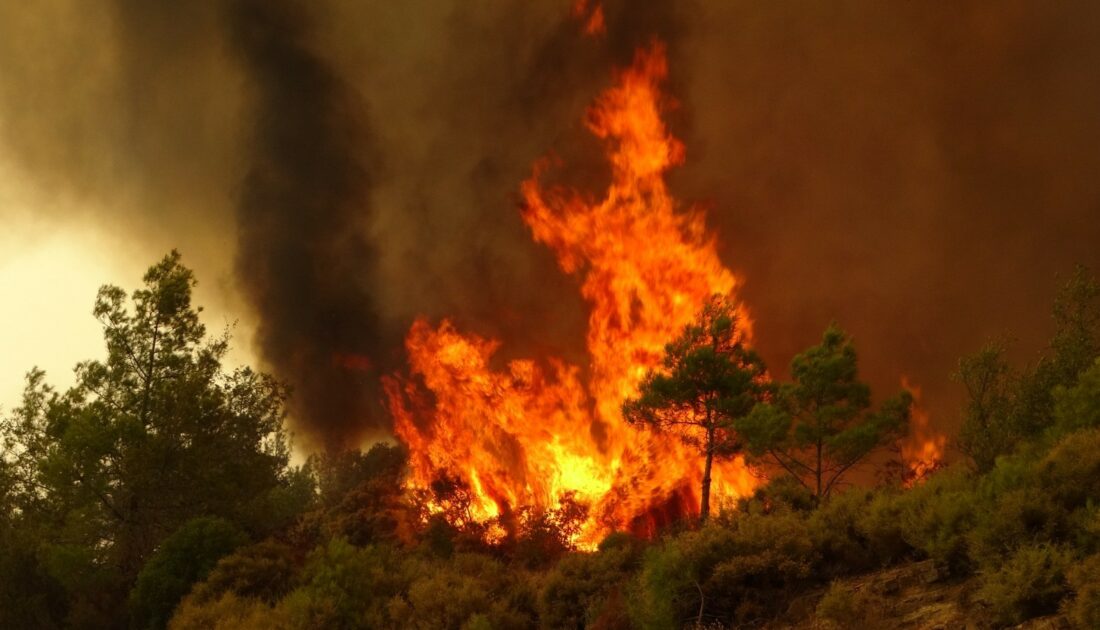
pixel 542 430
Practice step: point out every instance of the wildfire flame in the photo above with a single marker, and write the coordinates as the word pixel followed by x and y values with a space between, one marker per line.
pixel 536 433
pixel 923 451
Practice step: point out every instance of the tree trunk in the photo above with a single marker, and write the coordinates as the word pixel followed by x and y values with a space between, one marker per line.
pixel 817 497
pixel 704 502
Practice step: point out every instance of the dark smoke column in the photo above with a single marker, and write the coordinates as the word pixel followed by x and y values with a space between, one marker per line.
pixel 304 260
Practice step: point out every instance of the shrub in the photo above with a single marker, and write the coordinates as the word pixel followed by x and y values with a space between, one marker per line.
pixel 448 596
pixel 835 533
pixel 1084 580
pixel 737 570
pixel 879 524
pixel 29 598
pixel 543 536
pixel 786 492
pixel 844 607
pixel 1031 582
pixel 1078 407
pixel 1023 516
pixel 989 428
pixel 936 516
pixel 653 600
pixel 1070 472
pixel 1084 525
pixel 263 571
pixel 579 589
pixel 228 612
pixel 184 558
pixel 771 555
pixel 344 587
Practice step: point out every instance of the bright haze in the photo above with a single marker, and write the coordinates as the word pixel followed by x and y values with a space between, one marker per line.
pixel 920 173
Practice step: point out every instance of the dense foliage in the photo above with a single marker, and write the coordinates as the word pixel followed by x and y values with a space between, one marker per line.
pixel 157 492
pixel 158 433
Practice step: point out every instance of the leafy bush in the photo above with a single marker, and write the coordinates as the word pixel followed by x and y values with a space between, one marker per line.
pixel 664 588
pixel 184 558
pixel 450 595
pixel 1070 472
pixel 735 570
pixel 1084 528
pixel 843 607
pixel 771 555
pixel 229 612
pixel 936 516
pixel 879 524
pixel 1078 407
pixel 1018 517
pixel 263 571
pixel 29 598
pixel 543 536
pixel 783 493
pixel 1031 582
pixel 835 533
pixel 989 419
pixel 1084 580
pixel 584 587
pixel 344 587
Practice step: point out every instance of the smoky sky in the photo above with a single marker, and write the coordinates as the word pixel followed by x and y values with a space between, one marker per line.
pixel 920 173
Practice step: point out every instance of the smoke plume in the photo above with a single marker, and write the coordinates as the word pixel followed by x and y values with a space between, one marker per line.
pixel 919 173
pixel 303 256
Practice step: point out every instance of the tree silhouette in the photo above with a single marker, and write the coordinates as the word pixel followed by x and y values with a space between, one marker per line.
pixel 707 380
pixel 819 426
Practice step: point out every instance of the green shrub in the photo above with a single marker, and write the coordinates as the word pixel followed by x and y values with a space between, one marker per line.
pixel 1018 517
pixel 262 571
pixel 738 570
pixel 786 492
pixel 1084 527
pixel 836 535
pixel 343 586
pixel 577 590
pixel 1084 580
pixel 880 526
pixel 1078 407
pixel 843 607
pixel 183 558
pixel 228 612
pixel 467 590
pixel 771 556
pixel 1031 582
pixel 936 516
pixel 665 586
pixel 448 595
pixel 1070 472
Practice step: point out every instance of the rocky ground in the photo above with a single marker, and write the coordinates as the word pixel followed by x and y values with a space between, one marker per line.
pixel 915 596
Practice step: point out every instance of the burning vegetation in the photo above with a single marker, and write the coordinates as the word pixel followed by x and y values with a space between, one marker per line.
pixel 535 432
pixel 667 480
pixel 540 430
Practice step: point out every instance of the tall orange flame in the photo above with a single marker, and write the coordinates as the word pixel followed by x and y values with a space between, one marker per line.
pixel 922 451
pixel 531 436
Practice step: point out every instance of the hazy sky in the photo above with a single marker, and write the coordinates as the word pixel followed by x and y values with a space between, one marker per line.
pixel 50 271
pixel 919 172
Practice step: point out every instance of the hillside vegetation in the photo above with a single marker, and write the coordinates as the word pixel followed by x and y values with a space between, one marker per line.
pixel 158 492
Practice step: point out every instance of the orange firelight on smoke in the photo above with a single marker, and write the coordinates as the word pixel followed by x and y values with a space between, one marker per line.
pixel 591 17
pixel 538 432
